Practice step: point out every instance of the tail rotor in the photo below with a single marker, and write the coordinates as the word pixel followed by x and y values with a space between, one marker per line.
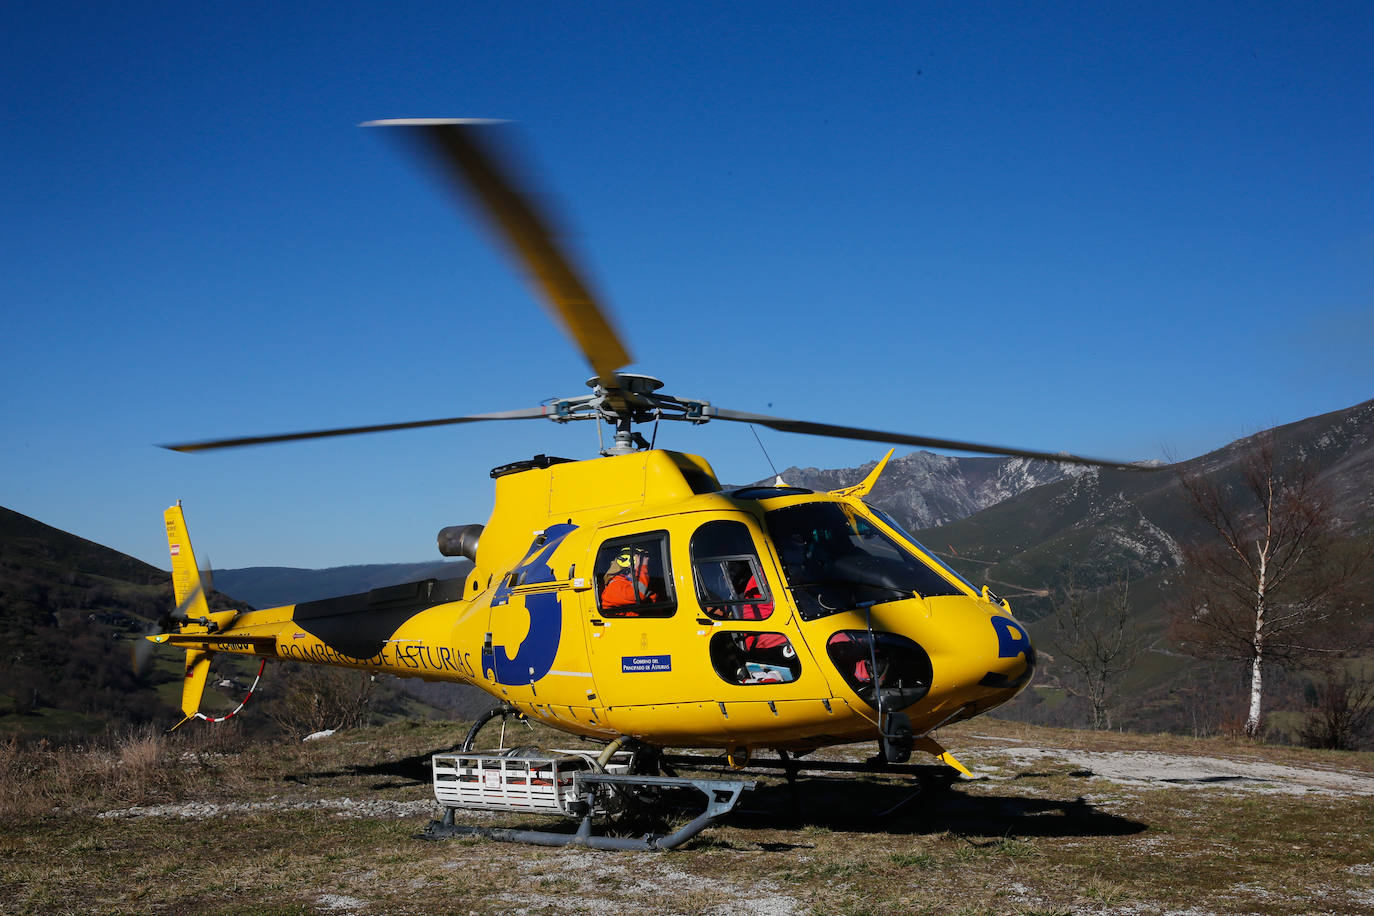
pixel 173 620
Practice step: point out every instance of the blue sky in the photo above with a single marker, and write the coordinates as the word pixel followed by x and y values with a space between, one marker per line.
pixel 1130 230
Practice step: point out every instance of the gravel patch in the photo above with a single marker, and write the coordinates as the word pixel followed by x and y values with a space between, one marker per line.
pixel 1142 768
pixel 343 807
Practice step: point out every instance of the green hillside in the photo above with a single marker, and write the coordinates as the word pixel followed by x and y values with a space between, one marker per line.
pixel 1106 523
pixel 1108 529
pixel 71 612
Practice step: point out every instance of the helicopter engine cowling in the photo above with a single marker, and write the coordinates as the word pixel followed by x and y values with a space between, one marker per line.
pixel 460 541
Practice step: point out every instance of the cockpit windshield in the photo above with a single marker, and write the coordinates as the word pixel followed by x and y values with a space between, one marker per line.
pixel 835 559
pixel 892 523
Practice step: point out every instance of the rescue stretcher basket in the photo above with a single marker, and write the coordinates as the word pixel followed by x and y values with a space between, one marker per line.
pixel 562 783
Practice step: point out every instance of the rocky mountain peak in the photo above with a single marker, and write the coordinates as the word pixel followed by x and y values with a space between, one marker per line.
pixel 923 490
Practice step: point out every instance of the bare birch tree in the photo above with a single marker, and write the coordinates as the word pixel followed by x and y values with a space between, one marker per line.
pixel 1098 641
pixel 1268 574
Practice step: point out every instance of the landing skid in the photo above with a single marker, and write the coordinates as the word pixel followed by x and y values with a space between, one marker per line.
pixel 929 775
pixel 929 781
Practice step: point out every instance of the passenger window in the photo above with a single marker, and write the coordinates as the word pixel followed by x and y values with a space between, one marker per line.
pixel 741 657
pixel 725 567
pixel 633 579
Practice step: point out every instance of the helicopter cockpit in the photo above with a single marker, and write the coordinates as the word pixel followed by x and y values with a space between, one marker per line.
pixel 835 560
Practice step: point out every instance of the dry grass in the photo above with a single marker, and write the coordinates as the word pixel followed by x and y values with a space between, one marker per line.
pixel 292 834
pixel 137 767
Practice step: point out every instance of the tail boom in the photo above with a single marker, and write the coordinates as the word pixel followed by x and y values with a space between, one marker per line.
pixel 405 630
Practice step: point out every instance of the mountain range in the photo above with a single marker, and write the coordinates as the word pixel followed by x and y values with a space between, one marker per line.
pixel 1028 532
pixel 275 586
pixel 1018 526
pixel 925 490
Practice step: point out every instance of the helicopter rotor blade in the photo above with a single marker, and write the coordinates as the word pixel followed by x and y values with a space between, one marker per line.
pixel 179 614
pixel 872 435
pixel 468 150
pixel 141 653
pixel 527 413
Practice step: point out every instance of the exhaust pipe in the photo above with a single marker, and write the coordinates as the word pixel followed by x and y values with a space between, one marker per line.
pixel 460 541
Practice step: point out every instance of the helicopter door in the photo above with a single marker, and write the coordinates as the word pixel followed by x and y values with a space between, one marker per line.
pixel 731 587
pixel 632 637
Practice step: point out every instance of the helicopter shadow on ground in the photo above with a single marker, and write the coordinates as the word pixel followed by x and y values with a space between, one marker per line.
pixel 846 804
pixel 402 773
pixel 862 806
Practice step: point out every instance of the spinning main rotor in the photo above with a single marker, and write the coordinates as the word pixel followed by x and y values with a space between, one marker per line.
pixel 468 151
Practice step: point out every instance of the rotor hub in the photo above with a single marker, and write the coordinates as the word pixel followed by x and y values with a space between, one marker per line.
pixel 630 382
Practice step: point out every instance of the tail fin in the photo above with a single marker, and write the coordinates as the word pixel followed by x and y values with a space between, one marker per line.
pixel 192 607
pixel 193 688
pixel 190 592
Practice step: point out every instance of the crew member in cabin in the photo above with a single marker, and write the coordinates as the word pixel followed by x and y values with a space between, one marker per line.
pixel 626 583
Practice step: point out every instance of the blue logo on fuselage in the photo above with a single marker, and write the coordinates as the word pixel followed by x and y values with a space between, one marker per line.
pixel 536 654
pixel 1011 638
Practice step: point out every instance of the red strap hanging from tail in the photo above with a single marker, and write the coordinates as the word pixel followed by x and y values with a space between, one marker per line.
pixel 230 715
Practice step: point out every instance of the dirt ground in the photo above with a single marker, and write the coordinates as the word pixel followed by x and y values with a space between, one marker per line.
pixel 1052 822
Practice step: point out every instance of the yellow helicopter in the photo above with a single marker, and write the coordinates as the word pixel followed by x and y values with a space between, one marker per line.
pixel 631 596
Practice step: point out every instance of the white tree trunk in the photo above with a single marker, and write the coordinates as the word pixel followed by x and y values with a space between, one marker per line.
pixel 1252 723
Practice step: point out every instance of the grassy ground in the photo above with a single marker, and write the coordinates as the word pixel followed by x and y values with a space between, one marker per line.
pixel 331 827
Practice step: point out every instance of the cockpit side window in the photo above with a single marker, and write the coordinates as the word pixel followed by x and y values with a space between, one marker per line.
pixel 633 578
pixel 725 566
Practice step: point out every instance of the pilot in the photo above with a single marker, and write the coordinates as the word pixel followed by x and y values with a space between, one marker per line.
pixel 626 582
